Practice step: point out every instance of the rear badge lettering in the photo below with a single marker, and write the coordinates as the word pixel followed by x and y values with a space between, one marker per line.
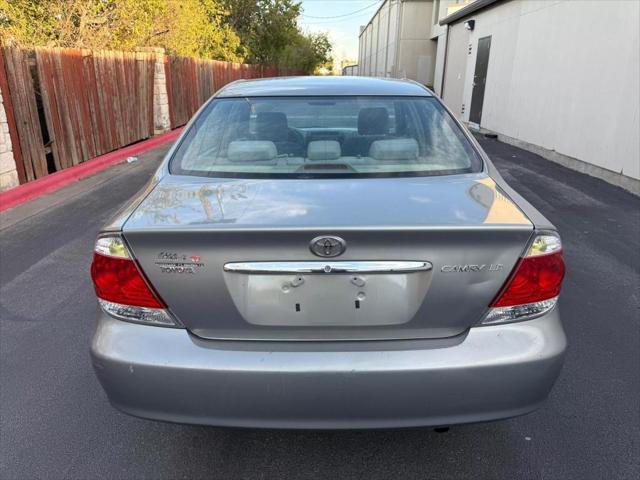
pixel 494 267
pixel 173 262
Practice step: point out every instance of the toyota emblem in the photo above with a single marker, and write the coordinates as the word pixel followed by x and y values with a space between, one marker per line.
pixel 326 246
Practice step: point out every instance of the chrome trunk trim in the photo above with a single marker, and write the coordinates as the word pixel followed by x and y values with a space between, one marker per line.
pixel 401 266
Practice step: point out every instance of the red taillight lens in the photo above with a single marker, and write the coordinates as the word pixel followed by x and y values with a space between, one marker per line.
pixel 119 280
pixel 534 279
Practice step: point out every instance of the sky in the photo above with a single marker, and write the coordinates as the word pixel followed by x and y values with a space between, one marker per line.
pixel 344 28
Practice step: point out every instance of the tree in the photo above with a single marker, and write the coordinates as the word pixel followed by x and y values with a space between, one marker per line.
pixel 274 29
pixel 187 27
pixel 270 32
pixel 195 28
pixel 309 52
pixel 242 14
pixel 257 31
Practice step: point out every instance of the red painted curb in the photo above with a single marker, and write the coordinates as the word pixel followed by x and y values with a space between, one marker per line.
pixel 28 191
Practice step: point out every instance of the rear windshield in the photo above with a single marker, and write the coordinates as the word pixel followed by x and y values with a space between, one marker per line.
pixel 309 137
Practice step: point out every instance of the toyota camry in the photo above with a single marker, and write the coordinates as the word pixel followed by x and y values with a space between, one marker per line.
pixel 327 253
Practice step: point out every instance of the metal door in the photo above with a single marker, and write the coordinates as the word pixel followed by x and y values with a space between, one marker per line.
pixel 479 79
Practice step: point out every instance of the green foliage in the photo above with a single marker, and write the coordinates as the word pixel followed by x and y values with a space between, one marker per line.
pixel 256 31
pixel 310 52
pixel 274 27
pixel 270 32
pixel 184 27
pixel 195 28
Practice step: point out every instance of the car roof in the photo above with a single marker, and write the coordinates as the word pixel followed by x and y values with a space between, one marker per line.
pixel 317 86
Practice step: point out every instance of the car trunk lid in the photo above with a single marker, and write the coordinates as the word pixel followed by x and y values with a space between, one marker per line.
pixel 460 236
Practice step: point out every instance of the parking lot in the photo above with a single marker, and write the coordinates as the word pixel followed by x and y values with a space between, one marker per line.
pixel 57 423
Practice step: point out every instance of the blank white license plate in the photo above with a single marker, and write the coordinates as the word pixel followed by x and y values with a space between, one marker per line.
pixel 315 299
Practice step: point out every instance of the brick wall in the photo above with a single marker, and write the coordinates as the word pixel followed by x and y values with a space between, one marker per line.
pixel 8 173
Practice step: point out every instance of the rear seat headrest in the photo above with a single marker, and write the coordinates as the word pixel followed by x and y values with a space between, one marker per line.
pixel 251 151
pixel 373 121
pixel 324 150
pixel 397 149
pixel 272 126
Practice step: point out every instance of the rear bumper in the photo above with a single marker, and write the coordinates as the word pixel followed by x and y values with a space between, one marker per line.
pixel 167 374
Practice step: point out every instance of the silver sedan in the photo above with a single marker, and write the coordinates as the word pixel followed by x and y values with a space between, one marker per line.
pixel 327 253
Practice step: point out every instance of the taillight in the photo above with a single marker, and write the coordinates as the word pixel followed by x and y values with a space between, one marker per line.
pixel 533 287
pixel 122 290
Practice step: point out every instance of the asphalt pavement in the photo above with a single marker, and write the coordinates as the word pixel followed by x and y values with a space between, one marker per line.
pixel 55 421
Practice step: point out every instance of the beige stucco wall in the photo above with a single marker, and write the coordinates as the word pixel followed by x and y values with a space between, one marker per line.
pixel 441 45
pixel 439 35
pixel 563 76
pixel 453 88
pixel 417 52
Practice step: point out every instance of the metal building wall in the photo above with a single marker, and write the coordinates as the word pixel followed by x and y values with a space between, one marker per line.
pixel 395 42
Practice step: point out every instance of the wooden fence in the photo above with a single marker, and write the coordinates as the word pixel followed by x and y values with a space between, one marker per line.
pixel 199 79
pixel 67 105
pixel 94 102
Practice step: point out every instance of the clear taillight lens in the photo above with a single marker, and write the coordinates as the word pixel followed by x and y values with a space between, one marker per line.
pixel 533 287
pixel 122 290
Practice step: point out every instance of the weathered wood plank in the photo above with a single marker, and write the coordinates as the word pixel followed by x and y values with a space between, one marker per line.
pixel 106 96
pixel 49 104
pixel 26 113
pixel 11 120
pixel 96 114
pixel 69 118
pixel 185 100
pixel 83 100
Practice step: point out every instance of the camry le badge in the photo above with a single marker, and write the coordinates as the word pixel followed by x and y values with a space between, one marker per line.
pixel 494 267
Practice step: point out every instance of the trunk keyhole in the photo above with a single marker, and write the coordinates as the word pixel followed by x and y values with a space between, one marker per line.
pixel 297 307
pixel 357 303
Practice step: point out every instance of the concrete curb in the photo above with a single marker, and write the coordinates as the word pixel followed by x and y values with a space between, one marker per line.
pixel 28 191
